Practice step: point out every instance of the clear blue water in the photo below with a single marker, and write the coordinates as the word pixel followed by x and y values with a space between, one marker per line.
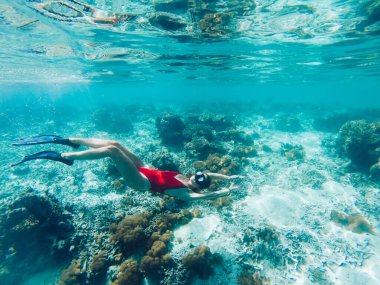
pixel 254 61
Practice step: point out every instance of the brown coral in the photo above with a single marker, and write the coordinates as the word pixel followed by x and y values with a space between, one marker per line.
pixel 129 233
pixel 73 275
pixel 129 274
pixel 200 262
pixel 355 222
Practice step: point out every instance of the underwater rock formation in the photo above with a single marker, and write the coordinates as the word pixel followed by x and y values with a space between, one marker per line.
pixel 215 24
pixel 360 142
pixel 170 129
pixel 200 262
pixel 355 222
pixel 111 120
pixel 35 224
pixel 293 152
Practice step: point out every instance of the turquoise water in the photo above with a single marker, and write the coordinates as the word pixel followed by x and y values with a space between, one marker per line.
pixel 274 90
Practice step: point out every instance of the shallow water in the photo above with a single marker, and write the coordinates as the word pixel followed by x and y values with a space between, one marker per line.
pixel 269 83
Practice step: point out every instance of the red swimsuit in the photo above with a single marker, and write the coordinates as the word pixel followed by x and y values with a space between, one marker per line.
pixel 161 180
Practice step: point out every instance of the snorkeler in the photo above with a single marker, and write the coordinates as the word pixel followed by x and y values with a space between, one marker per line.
pixel 133 170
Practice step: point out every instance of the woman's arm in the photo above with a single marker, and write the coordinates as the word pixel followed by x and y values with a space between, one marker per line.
pixel 209 196
pixel 218 176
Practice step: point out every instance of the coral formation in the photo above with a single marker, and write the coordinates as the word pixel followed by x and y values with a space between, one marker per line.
pixel 215 24
pixel 248 277
pixel 200 148
pixel 263 243
pixel 99 265
pixel 164 160
pixel 360 142
pixel 73 275
pixel 170 129
pixel 47 226
pixel 129 233
pixel 292 152
pixel 355 222
pixel 201 261
pixel 222 164
pixel 375 171
pixel 129 274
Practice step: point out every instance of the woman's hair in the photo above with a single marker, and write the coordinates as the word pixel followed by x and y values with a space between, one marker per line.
pixel 203 180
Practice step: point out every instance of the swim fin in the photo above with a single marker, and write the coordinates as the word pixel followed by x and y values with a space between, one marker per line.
pixel 43 139
pixel 47 154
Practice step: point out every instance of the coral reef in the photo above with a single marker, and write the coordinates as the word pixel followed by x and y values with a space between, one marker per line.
pixel 129 233
pixel 360 142
pixel 223 164
pixel 129 274
pixel 170 129
pixel 200 148
pixel 164 160
pixel 73 275
pixel 263 243
pixel 375 171
pixel 248 277
pixel 293 152
pixel 47 226
pixel 355 222
pixel 99 265
pixel 200 262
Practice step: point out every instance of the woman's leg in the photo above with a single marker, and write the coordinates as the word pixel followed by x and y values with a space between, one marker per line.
pixel 97 143
pixel 124 164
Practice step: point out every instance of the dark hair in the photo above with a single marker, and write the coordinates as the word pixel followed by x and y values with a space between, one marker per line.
pixel 203 180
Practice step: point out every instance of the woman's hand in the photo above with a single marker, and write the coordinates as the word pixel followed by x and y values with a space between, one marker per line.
pixel 236 177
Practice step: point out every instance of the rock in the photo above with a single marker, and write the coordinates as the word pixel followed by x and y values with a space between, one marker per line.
pixel 215 24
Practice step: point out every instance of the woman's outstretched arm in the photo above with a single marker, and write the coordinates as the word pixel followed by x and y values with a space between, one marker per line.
pixel 218 176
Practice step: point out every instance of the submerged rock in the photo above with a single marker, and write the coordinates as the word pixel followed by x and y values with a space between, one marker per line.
pixel 164 160
pixel 293 152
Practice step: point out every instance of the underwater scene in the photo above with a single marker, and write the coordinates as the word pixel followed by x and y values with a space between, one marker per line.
pixel 189 142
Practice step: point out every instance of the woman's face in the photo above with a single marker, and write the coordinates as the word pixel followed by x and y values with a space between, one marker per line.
pixel 193 184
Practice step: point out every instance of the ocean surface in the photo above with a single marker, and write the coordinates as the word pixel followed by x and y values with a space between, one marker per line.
pixel 285 93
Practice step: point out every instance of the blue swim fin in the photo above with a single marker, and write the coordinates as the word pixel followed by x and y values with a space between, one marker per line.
pixel 43 139
pixel 48 154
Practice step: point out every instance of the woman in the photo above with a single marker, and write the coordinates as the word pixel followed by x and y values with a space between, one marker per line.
pixel 136 175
